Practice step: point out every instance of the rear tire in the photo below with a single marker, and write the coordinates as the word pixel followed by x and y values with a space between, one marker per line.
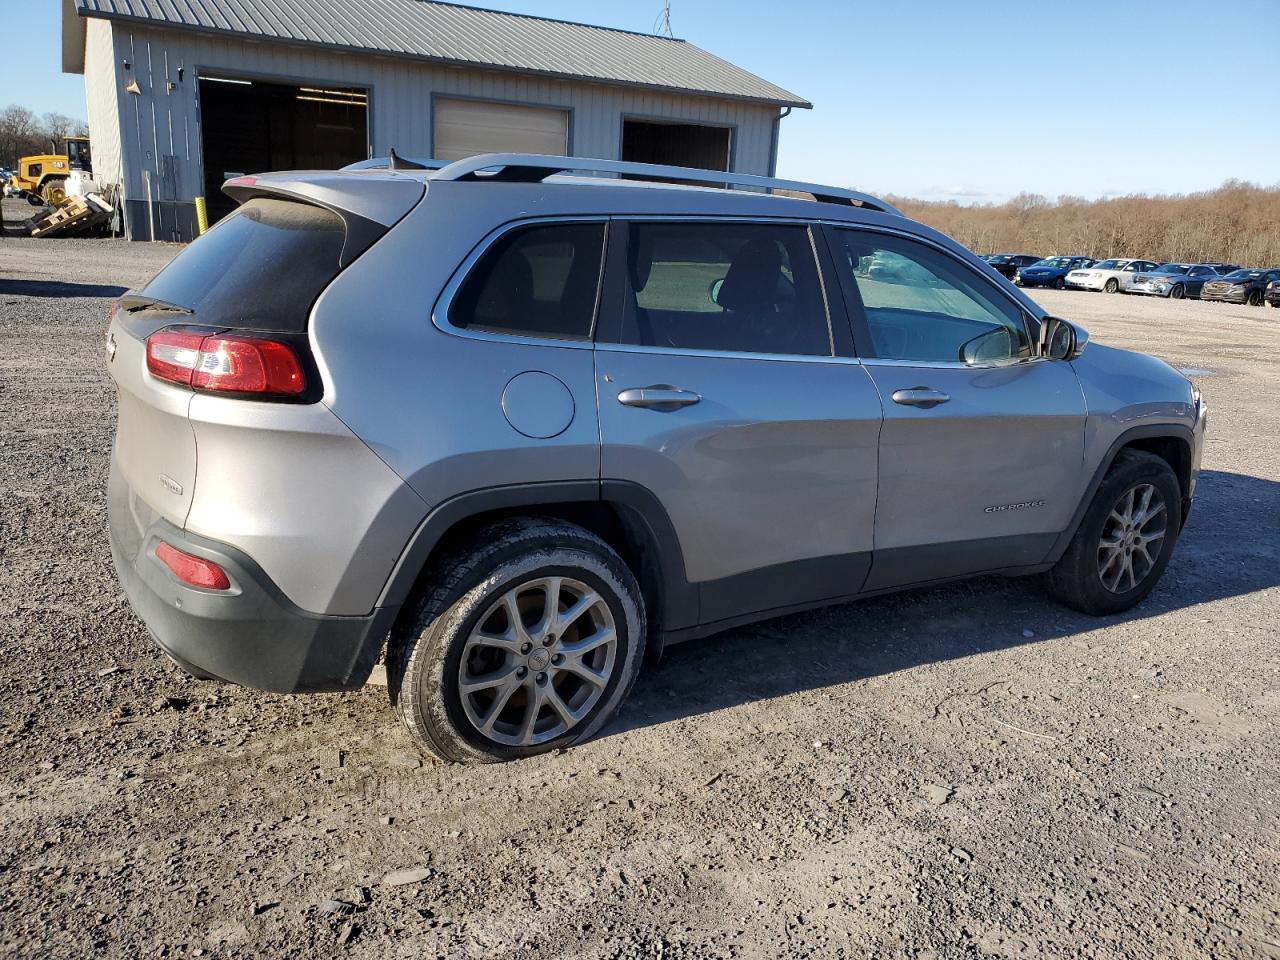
pixel 1125 540
pixel 475 683
pixel 1111 286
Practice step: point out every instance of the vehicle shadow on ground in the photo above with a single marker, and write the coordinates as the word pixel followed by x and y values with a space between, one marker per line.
pixel 1230 547
pixel 56 288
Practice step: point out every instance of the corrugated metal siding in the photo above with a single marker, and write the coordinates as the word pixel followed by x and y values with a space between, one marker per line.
pixel 464 35
pixel 102 101
pixel 161 127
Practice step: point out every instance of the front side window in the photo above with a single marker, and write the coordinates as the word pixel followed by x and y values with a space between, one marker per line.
pixel 538 281
pixel 922 304
pixel 731 287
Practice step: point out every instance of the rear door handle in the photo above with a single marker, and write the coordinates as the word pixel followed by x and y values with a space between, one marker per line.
pixel 660 396
pixel 924 397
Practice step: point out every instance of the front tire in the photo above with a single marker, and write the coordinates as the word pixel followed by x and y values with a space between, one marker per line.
pixel 1059 284
pixel 1125 540
pixel 1111 286
pixel 1255 298
pixel 525 640
pixel 1178 292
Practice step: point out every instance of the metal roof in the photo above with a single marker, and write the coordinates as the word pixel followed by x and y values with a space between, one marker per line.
pixel 464 36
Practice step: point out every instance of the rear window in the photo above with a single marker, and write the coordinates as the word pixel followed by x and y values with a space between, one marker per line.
pixel 261 268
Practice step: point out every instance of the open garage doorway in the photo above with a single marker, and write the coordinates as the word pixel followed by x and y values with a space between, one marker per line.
pixel 677 144
pixel 251 126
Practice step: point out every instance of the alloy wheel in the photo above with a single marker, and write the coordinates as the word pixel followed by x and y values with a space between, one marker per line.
pixel 537 661
pixel 1132 537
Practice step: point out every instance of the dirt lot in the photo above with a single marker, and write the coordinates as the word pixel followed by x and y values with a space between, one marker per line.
pixel 960 772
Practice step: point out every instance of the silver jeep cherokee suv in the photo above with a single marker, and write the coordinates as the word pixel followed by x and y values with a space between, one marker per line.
pixel 526 426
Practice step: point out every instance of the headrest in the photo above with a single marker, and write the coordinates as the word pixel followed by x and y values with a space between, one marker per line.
pixel 751 285
pixel 641 257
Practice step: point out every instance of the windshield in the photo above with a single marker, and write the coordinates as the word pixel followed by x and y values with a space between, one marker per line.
pixel 1110 264
pixel 1243 275
pixel 1057 262
pixel 1172 268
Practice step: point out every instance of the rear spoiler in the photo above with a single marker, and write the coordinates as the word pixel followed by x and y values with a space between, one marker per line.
pixel 369 207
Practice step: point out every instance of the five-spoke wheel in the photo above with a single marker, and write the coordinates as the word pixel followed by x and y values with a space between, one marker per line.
pixel 1131 538
pixel 537 661
pixel 525 639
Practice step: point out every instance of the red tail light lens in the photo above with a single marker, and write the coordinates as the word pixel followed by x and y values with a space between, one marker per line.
pixel 225 364
pixel 194 570
pixel 172 355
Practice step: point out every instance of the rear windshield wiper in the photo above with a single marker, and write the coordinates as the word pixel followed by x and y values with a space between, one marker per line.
pixel 131 302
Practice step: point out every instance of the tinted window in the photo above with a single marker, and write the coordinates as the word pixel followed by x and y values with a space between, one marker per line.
pixel 537 281
pixel 260 268
pixel 922 304
pixel 737 287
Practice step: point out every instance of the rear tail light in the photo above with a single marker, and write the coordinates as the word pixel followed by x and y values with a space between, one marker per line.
pixel 225 364
pixel 196 571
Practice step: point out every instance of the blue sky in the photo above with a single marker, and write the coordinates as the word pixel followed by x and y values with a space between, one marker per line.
pixel 968 99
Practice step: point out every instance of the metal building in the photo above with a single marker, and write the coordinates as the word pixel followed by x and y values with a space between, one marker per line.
pixel 182 96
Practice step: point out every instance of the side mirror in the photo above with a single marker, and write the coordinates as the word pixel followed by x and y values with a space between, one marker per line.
pixel 989 347
pixel 1061 340
pixel 714 289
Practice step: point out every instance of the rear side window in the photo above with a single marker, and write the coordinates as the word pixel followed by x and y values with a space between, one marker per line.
pixel 539 281
pixel 727 287
pixel 260 269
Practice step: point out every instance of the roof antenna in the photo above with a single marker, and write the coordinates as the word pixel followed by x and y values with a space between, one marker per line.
pixel 397 162
pixel 662 25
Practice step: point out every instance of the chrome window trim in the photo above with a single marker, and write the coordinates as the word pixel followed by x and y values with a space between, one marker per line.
pixel 440 310
pixel 726 354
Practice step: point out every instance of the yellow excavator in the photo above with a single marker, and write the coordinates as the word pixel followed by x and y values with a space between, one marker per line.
pixel 43 179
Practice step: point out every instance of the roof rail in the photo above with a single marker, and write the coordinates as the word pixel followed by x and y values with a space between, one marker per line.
pixel 533 168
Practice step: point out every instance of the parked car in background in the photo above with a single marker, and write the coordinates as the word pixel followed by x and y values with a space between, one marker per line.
pixel 1008 264
pixel 1271 296
pixel 1174 280
pixel 1241 286
pixel 589 492
pixel 1109 276
pixel 1052 271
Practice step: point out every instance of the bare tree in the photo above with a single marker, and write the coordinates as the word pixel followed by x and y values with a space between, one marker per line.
pixel 1236 223
pixel 23 134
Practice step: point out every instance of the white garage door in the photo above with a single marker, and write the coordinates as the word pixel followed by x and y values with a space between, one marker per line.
pixel 464 128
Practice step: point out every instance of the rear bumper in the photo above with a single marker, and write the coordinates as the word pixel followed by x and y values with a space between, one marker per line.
pixel 250 635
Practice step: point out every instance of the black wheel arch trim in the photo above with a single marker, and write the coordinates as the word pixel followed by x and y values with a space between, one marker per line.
pixel 640 510
pixel 1150 431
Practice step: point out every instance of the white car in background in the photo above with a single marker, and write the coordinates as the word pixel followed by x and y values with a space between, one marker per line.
pixel 1109 276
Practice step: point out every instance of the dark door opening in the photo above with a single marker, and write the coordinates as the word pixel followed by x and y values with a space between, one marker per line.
pixel 677 144
pixel 253 127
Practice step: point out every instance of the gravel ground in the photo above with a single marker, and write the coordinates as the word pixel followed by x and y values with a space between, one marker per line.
pixel 958 772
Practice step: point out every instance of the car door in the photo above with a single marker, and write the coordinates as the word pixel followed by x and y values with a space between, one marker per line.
pixel 983 441
pixel 724 393
pixel 1196 278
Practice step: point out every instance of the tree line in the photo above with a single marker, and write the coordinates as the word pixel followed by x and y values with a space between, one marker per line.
pixel 24 134
pixel 1236 223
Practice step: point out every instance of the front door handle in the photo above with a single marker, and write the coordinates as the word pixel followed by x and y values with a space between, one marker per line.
pixel 660 396
pixel 924 397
